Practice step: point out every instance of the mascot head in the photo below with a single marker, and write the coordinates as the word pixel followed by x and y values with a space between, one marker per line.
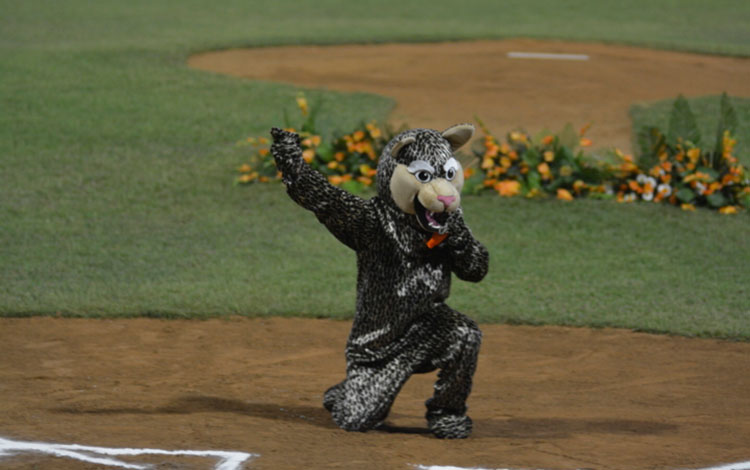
pixel 419 174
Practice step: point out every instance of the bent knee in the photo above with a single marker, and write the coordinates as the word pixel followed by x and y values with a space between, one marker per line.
pixel 469 335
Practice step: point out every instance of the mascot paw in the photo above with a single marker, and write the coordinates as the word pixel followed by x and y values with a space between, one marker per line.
pixel 332 396
pixel 286 149
pixel 450 426
pixel 280 136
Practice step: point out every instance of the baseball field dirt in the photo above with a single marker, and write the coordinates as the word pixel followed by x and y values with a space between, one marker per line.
pixel 544 397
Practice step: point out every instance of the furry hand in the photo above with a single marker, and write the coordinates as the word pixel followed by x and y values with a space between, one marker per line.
pixel 285 149
pixel 458 232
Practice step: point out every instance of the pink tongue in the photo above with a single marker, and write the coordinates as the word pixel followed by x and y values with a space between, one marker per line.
pixel 428 216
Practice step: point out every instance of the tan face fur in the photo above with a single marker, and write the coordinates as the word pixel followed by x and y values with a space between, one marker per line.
pixel 406 186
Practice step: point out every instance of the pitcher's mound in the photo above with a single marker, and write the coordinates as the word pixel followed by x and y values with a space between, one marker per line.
pixel 437 85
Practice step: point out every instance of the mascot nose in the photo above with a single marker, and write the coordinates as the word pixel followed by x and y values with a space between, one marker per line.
pixel 447 200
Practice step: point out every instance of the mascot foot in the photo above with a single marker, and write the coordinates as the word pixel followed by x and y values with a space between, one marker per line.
pixel 332 396
pixel 449 426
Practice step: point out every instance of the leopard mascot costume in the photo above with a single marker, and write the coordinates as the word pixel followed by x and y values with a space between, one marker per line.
pixel 408 240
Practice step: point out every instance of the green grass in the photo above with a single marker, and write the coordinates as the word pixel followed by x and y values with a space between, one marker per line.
pixel 117 162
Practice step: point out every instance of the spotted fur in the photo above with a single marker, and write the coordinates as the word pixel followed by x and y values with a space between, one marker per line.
pixel 402 325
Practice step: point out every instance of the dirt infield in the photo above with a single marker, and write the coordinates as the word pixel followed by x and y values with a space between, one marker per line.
pixel 544 397
pixel 437 85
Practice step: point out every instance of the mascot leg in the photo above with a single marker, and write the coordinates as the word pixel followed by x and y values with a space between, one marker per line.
pixel 456 357
pixel 444 340
pixel 363 400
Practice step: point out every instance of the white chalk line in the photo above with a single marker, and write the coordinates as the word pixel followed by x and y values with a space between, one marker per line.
pixel 731 466
pixel 546 56
pixel 98 455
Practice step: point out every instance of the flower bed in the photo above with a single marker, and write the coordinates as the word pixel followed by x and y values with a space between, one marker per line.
pixel 673 167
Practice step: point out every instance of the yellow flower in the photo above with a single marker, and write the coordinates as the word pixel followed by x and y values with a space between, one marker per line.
pixel 728 210
pixel 339 156
pixel 579 186
pixel 508 188
pixel 505 162
pixel 358 136
pixel 565 170
pixel 687 207
pixel 564 194
pixel 518 137
pixel 302 104
pixel 333 164
pixel 245 168
pixel 728 144
pixel 549 156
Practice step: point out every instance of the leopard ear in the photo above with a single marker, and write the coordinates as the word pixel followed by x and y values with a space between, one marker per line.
pixel 401 144
pixel 458 135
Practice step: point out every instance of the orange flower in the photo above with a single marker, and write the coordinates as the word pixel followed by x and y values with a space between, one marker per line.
pixel 548 140
pixel 505 162
pixel 245 168
pixel 373 130
pixel 508 188
pixel 302 104
pixel 579 186
pixel 687 207
pixel 308 155
pixel 728 210
pixel 543 169
pixel 366 170
pixel 585 142
pixel 564 194
pixel 365 180
pixel 469 172
pixel 248 177
pixel 335 180
pixel 263 152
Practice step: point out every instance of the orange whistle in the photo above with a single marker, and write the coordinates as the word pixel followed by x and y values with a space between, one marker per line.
pixel 436 239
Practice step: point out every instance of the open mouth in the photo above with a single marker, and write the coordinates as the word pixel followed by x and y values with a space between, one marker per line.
pixel 430 221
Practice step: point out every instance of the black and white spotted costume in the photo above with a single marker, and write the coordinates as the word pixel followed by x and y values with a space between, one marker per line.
pixel 402 325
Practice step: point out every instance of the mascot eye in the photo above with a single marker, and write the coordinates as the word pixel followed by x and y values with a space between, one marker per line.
pixel 450 174
pixel 423 176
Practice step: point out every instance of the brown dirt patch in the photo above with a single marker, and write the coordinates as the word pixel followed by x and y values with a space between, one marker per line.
pixel 437 85
pixel 545 397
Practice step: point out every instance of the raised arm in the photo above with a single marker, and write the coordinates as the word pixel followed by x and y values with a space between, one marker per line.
pixel 344 214
pixel 469 258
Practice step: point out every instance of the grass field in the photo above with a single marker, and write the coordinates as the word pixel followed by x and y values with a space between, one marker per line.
pixel 117 163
